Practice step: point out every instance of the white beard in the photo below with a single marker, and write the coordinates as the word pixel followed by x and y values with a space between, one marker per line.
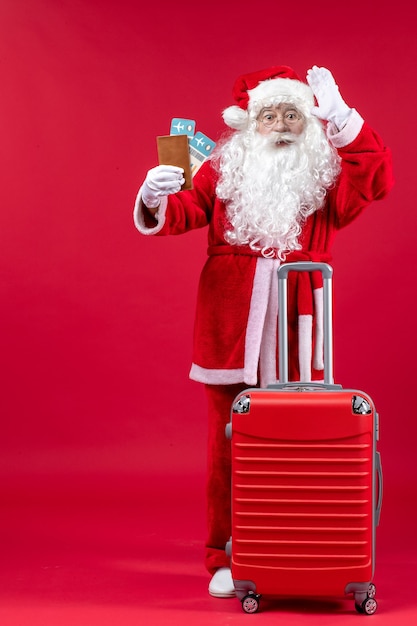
pixel 271 189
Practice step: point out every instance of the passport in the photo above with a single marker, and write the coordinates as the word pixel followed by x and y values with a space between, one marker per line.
pixel 174 150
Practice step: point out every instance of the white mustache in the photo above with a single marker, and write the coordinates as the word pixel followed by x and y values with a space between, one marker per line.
pixel 282 138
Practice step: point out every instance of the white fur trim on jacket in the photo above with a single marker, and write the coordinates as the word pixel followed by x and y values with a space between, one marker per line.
pixel 345 136
pixel 217 376
pixel 261 336
pixel 260 341
pixel 318 362
pixel 260 330
pixel 305 338
pixel 268 349
pixel 139 218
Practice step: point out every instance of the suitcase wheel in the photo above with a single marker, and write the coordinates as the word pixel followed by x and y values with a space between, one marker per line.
pixel 368 606
pixel 250 602
pixel 371 591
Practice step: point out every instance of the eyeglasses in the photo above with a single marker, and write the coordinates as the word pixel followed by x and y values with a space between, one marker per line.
pixel 270 118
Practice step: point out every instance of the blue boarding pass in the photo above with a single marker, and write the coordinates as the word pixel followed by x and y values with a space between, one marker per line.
pixel 181 126
pixel 200 148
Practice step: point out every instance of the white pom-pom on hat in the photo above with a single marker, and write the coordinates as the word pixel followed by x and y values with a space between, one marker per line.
pixel 235 117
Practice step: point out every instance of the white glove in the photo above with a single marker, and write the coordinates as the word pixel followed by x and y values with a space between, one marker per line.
pixel 161 181
pixel 331 105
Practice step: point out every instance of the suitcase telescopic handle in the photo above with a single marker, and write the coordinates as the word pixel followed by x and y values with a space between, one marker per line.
pixel 327 273
pixel 378 467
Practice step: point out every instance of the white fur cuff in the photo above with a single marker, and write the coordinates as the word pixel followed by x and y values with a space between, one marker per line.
pixel 349 132
pixel 139 217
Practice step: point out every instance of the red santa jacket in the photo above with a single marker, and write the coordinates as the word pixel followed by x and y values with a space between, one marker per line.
pixel 237 304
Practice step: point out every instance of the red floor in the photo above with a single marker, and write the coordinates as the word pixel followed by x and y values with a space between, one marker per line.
pixel 112 554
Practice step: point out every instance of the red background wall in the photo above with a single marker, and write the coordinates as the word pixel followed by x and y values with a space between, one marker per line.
pixel 96 321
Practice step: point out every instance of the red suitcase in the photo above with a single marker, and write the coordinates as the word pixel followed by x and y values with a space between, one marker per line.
pixel 306 481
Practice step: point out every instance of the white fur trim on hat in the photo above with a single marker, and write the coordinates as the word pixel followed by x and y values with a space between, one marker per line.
pixel 276 90
pixel 270 92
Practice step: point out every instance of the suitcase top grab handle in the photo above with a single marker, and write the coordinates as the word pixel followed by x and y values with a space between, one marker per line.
pixel 327 273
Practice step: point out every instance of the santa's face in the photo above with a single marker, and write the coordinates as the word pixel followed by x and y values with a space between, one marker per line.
pixel 273 176
pixel 283 123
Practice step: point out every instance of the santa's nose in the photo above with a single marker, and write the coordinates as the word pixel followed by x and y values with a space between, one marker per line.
pixel 280 124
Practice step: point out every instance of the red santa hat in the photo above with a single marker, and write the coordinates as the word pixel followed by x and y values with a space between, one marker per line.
pixel 271 86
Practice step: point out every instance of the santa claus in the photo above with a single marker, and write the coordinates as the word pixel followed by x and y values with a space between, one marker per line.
pixel 298 165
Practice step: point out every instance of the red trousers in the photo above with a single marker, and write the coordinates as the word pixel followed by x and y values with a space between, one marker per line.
pixel 220 399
